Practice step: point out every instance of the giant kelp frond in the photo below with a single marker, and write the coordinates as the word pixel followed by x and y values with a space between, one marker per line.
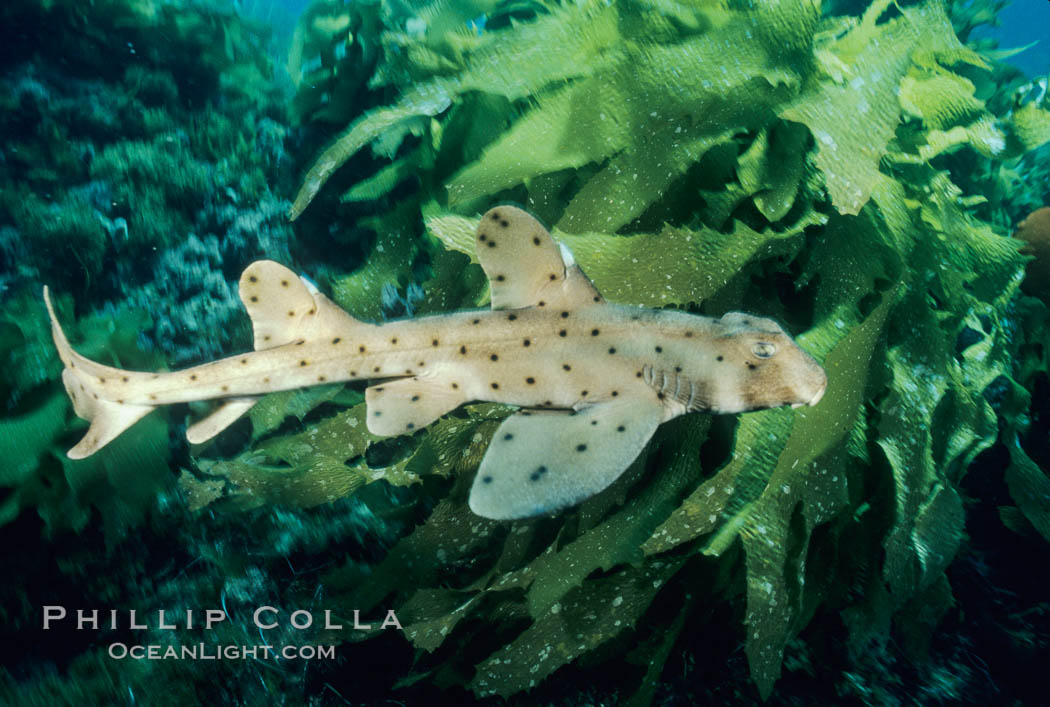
pixel 706 156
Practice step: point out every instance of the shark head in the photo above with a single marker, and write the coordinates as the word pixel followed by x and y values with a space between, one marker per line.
pixel 761 366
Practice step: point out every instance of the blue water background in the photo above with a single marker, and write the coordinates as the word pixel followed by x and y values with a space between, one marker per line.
pixel 1023 22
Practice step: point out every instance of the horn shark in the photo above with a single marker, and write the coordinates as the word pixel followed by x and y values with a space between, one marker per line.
pixel 593 379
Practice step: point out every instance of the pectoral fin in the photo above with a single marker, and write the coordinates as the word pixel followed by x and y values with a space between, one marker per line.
pixel 539 462
pixel 403 406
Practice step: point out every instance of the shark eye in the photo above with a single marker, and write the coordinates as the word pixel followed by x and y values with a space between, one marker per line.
pixel 764 349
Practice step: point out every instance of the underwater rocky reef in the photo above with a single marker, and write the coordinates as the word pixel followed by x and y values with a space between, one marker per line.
pixel 869 174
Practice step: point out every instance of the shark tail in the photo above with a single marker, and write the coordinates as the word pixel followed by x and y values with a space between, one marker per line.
pixel 86 384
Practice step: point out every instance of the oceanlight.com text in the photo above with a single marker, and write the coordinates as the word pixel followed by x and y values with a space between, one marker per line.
pixel 206 651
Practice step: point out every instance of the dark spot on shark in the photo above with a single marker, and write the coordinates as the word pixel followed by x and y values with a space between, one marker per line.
pixel 253 298
pixel 538 474
pixel 553 277
pixel 612 350
pixel 535 240
pixel 125 379
pixel 616 393
pixel 504 223
pixel 252 278
pixel 526 342
pixel 482 237
pixel 530 380
pixel 511 317
pixel 463 350
pixel 564 315
pixel 500 278
pixel 361 349
pixel 563 333
pixel 410 426
pixel 494 357
pixel 336 340
pixel 492 244
pixel 435 342
pixel 583 393
pixel 620 428
pixel 495 216
pixel 719 358
pixel 581 447
pixel 486 479
pixel 507 437
pixel 321 379
pixel 193 377
pixel 394 341
pixel 659 349
pixel 303 362
pixel 594 332
pixel 476 321
pixel 284 283
pixel 225 388
pixel 495 386
pixel 566 366
pixel 291 313
pixel 751 366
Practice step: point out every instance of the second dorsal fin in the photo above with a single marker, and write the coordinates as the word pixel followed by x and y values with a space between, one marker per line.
pixel 286 308
pixel 525 266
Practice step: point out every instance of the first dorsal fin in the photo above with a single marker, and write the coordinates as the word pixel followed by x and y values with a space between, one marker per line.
pixel 525 266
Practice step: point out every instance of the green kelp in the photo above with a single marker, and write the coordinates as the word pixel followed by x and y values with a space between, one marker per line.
pixel 710 157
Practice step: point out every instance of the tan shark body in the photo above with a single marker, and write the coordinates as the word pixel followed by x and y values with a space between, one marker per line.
pixel 595 379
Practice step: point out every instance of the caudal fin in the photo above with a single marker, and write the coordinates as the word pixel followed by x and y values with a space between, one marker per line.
pixel 86 383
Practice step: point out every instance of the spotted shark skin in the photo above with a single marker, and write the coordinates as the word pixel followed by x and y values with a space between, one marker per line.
pixel 594 379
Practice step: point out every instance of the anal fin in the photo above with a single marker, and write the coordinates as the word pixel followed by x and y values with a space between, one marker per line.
pixel 403 406
pixel 228 412
pixel 539 462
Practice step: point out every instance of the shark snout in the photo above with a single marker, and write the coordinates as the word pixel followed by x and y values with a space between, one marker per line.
pixel 816 383
pixel 820 392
